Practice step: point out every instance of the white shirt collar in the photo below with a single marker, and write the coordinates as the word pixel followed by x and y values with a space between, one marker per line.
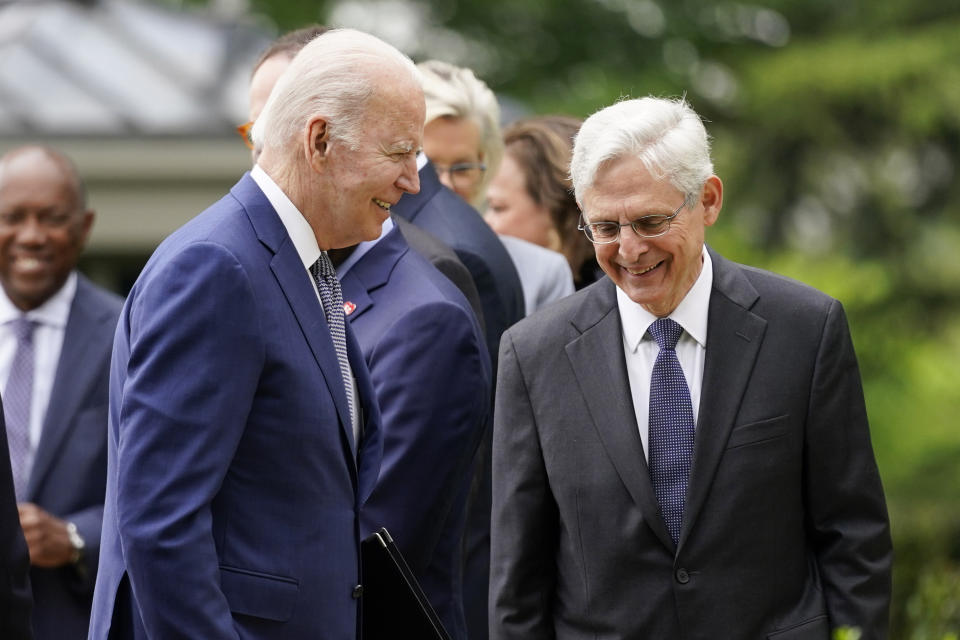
pixel 691 313
pixel 299 230
pixel 422 160
pixel 53 313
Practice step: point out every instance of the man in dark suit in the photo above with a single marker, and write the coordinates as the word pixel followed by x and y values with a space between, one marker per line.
pixel 244 436
pixel 681 450
pixel 15 598
pixel 432 376
pixel 60 443
pixel 447 216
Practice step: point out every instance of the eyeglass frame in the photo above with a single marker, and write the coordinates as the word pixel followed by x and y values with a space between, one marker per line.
pixel 460 167
pixel 582 225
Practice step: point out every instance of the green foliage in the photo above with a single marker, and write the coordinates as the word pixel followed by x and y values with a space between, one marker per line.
pixel 846 633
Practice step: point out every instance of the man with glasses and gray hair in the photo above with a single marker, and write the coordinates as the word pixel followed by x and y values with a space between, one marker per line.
pixel 681 450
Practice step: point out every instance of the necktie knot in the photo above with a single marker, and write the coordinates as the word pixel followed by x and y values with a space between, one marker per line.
pixel 23 329
pixel 666 332
pixel 323 268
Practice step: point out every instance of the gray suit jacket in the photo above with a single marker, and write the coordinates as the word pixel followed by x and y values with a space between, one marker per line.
pixel 69 473
pixel 785 532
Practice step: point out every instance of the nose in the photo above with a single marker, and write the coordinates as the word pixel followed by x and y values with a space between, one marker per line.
pixel 631 245
pixel 31 232
pixel 409 180
pixel 446 178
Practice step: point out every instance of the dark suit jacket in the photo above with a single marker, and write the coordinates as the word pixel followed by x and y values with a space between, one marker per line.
pixel 444 259
pixel 447 216
pixel 15 596
pixel 432 377
pixel 785 532
pixel 69 474
pixel 233 495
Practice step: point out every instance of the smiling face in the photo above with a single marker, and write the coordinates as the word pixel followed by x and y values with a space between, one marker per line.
pixel 656 273
pixel 43 228
pixel 512 211
pixel 359 185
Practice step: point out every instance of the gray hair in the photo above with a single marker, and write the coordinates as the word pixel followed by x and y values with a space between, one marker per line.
pixel 452 91
pixel 333 76
pixel 667 135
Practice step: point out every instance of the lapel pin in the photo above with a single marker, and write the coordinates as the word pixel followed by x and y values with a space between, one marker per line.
pixel 348 307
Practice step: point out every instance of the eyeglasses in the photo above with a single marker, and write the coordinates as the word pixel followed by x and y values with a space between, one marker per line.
pixel 647 226
pixel 244 132
pixel 463 174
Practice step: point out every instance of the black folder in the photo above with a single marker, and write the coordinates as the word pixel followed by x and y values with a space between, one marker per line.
pixel 393 604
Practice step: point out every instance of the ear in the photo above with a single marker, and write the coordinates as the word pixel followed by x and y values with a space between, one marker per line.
pixel 711 199
pixel 317 142
pixel 86 225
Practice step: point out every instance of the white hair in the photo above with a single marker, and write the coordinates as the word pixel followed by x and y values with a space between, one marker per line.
pixel 333 76
pixel 667 135
pixel 452 91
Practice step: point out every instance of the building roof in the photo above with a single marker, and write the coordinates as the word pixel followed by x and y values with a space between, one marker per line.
pixel 122 68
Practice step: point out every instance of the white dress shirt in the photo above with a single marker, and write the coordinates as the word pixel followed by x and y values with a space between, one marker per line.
pixel 641 349
pixel 305 242
pixel 51 318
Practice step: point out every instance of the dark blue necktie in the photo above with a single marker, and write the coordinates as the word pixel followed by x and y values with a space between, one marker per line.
pixel 17 400
pixel 671 426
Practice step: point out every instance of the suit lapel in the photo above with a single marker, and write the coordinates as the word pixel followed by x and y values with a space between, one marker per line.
pixel 371 272
pixel 293 279
pixel 601 371
pixel 73 379
pixel 734 336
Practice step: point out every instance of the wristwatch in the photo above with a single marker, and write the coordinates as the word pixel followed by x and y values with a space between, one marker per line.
pixel 76 541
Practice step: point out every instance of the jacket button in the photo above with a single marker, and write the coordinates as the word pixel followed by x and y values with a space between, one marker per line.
pixel 682 576
pixel 357 592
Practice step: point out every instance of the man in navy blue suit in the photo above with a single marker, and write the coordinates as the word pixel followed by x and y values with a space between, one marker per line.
pixel 447 216
pixel 60 444
pixel 244 433
pixel 432 377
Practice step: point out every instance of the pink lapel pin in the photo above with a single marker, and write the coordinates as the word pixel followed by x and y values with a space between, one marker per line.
pixel 349 307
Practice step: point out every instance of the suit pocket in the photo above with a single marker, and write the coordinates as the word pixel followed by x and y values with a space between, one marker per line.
pixel 758 431
pixel 261 595
pixel 815 629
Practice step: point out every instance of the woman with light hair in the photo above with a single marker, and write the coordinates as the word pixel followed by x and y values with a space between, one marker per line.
pixel 462 139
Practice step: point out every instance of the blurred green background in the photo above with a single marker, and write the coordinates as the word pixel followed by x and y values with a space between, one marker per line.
pixel 836 129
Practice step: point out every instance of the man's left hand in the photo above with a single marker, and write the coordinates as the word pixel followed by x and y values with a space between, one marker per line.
pixel 46 537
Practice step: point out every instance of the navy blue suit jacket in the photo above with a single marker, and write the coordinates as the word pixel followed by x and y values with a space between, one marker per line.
pixel 15 598
pixel 70 468
pixel 233 494
pixel 432 377
pixel 446 215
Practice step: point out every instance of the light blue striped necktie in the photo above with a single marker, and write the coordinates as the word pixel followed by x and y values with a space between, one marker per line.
pixel 17 401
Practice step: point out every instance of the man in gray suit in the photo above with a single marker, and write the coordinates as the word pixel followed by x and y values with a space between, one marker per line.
pixel 681 450
pixel 56 334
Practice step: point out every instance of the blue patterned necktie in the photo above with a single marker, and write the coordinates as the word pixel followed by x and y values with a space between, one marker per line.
pixel 332 298
pixel 17 400
pixel 671 426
